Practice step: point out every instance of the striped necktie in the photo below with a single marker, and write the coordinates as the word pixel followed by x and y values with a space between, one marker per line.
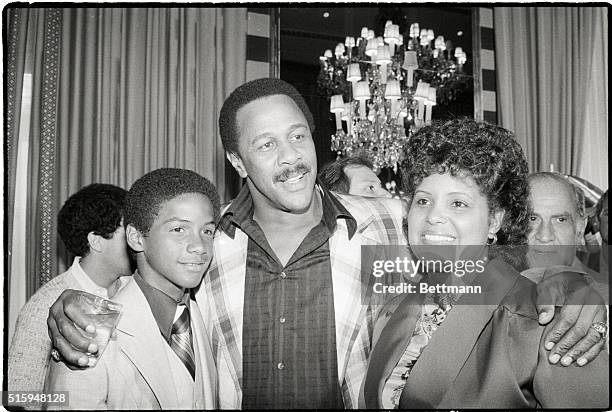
pixel 181 341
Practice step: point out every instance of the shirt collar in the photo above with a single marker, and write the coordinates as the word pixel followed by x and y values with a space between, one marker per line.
pixel 333 210
pixel 241 210
pixel 162 306
pixel 88 285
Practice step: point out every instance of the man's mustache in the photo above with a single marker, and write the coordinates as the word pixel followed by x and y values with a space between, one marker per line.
pixel 299 169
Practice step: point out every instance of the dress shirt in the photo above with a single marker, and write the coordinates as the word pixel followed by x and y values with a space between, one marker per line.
pixel 162 305
pixel 289 336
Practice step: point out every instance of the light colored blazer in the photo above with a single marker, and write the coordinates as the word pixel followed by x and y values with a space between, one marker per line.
pixel 488 353
pixel 133 372
pixel 379 222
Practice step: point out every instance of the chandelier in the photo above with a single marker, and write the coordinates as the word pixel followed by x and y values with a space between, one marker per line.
pixel 382 90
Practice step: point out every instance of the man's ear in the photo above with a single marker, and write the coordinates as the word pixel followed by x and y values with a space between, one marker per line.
pixel 495 221
pixel 95 242
pixel 237 163
pixel 134 238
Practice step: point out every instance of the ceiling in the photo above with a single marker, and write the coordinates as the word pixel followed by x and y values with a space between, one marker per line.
pixel 306 32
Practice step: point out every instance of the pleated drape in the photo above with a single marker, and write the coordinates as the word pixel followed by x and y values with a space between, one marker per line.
pixel 116 92
pixel 552 77
pixel 143 88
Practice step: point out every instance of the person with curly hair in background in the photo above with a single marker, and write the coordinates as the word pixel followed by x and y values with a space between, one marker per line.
pixel 436 349
pixel 90 224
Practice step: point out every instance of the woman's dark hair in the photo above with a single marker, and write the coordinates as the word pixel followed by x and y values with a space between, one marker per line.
pixel 486 153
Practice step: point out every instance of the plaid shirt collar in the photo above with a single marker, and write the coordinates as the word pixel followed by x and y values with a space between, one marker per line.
pixel 241 211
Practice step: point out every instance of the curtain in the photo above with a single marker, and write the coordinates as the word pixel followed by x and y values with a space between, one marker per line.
pixel 552 80
pixel 115 93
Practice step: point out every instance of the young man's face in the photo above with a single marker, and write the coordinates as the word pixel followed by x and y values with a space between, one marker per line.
pixel 276 154
pixel 364 182
pixel 178 248
pixel 554 224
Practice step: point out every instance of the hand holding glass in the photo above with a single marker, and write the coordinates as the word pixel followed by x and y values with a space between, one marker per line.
pixel 104 315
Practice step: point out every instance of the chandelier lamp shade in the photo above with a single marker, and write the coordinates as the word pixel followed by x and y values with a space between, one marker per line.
pixel 383 88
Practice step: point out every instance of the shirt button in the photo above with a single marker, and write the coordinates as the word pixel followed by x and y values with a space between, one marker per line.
pixel 280 366
pixel 283 275
pixel 282 319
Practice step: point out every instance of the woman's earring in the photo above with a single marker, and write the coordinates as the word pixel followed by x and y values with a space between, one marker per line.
pixel 492 239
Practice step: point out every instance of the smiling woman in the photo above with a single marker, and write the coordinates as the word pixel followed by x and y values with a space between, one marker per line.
pixel 467 184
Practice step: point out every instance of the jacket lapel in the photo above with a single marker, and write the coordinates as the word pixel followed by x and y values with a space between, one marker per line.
pixel 442 359
pixel 389 347
pixel 140 340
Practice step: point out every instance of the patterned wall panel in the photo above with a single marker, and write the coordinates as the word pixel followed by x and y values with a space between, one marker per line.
pixel 46 224
pixel 487 64
pixel 259 43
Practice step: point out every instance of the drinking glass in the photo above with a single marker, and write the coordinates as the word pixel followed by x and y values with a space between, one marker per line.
pixel 104 314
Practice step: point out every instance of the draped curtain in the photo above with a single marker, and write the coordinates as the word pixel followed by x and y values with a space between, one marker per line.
pixel 552 68
pixel 106 95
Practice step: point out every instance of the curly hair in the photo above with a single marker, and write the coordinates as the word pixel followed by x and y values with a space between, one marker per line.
pixel 332 175
pixel 96 208
pixel 247 93
pixel 151 191
pixel 488 154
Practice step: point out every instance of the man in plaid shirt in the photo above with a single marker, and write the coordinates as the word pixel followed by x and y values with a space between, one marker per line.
pixel 289 318
pixel 284 294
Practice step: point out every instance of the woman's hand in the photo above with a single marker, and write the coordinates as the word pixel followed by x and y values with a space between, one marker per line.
pixel 66 323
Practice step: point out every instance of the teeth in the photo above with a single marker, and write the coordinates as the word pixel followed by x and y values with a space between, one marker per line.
pixel 439 238
pixel 294 179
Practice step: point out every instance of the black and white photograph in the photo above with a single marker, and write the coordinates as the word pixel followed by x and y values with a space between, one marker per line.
pixel 305 206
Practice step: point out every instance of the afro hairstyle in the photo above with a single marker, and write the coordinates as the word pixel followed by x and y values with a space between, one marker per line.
pixel 96 208
pixel 148 194
pixel 247 93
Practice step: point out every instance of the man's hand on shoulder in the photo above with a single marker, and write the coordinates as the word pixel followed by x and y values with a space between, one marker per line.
pixel 572 336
